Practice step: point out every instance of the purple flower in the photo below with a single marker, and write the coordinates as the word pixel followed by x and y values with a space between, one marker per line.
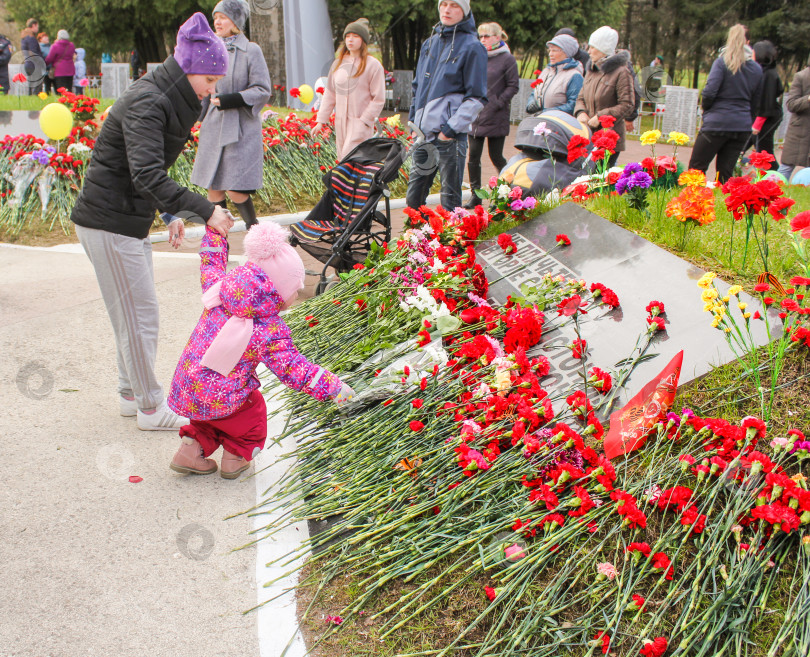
pixel 621 185
pixel 40 156
pixel 529 202
pixel 631 168
pixel 640 179
pixel 516 205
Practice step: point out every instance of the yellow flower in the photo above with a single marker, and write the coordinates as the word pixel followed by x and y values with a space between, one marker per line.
pixel 727 329
pixel 692 178
pixel 734 290
pixel 393 121
pixel 707 307
pixel 742 305
pixel 715 322
pixel 726 299
pixel 650 137
pixel 678 138
pixel 746 315
pixel 708 295
pixel 706 279
pixel 42 95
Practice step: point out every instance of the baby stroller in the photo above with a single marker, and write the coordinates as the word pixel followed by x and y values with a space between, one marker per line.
pixel 342 226
pixel 542 163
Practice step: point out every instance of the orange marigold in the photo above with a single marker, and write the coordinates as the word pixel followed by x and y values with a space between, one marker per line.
pixel 693 203
pixel 692 178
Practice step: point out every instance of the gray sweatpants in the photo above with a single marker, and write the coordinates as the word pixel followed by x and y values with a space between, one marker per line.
pixel 126 277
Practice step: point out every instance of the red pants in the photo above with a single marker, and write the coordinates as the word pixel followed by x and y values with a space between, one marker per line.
pixel 241 433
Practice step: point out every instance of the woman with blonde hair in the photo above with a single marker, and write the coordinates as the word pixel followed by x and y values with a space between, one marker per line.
pixel 730 103
pixel 492 123
pixel 355 90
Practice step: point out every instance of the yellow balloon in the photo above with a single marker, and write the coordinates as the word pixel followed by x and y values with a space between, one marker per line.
pixel 56 121
pixel 307 94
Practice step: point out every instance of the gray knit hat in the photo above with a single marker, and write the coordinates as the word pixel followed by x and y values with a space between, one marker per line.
pixel 237 10
pixel 360 28
pixel 464 4
pixel 567 44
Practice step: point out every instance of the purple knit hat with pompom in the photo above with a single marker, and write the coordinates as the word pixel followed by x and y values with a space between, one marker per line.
pixel 199 51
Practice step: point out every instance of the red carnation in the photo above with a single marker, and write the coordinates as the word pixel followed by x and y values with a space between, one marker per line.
pixel 655 308
pixel 562 239
pixel 295 92
pixel 507 244
pixel 571 306
pixel 655 648
pixel 761 160
pixel 416 425
pixel 579 347
pixel 799 224
pixel 607 121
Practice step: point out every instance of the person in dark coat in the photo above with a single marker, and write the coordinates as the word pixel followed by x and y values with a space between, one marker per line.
pixel 492 123
pixel 769 112
pixel 730 101
pixel 796 152
pixel 230 154
pixel 34 65
pixel 6 51
pixel 126 181
pixel 449 91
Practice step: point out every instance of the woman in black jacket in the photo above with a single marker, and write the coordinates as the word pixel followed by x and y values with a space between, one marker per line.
pixel 126 182
pixel 769 112
pixel 492 123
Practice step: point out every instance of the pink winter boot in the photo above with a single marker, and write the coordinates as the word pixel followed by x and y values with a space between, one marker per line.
pixel 232 465
pixel 189 459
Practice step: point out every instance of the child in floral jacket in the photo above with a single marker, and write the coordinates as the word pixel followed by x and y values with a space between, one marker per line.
pixel 215 383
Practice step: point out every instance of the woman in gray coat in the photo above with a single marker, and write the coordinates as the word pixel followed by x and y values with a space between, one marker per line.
pixel 230 155
pixel 797 140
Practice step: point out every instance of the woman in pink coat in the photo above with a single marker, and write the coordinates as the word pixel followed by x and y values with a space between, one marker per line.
pixel 355 89
pixel 215 383
pixel 60 56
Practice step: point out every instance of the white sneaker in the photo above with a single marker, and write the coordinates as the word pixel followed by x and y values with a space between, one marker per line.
pixel 129 407
pixel 163 419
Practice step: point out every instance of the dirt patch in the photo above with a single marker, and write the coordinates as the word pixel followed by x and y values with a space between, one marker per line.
pixel 362 634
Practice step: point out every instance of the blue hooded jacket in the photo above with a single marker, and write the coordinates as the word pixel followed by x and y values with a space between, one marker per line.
pixel 450 84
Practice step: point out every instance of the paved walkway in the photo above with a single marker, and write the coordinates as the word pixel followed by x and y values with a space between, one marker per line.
pixel 94 565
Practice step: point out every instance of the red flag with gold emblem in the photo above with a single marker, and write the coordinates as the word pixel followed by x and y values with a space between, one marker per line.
pixel 630 426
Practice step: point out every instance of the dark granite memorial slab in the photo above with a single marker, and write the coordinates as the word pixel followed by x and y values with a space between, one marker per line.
pixel 639 272
pixel 17 122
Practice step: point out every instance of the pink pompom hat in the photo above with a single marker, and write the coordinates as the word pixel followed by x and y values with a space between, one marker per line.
pixel 267 245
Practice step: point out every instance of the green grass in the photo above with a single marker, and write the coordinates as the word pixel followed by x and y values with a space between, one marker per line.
pixel 718 246
pixel 33 103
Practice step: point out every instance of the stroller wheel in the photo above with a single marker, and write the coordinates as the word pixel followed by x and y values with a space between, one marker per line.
pixel 323 286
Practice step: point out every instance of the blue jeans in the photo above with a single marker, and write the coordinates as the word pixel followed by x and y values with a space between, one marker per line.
pixel 446 157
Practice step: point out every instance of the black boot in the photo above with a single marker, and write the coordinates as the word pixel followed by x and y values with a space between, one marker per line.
pixel 474 171
pixel 247 212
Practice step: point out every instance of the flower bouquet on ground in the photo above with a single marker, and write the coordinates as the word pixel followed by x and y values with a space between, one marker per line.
pixel 464 470
pixel 505 201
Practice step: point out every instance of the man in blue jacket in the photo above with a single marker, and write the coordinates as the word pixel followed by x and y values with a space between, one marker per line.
pixel 449 90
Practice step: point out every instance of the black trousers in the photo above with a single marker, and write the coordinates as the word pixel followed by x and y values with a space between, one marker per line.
pixel 495 148
pixel 725 146
pixel 65 81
